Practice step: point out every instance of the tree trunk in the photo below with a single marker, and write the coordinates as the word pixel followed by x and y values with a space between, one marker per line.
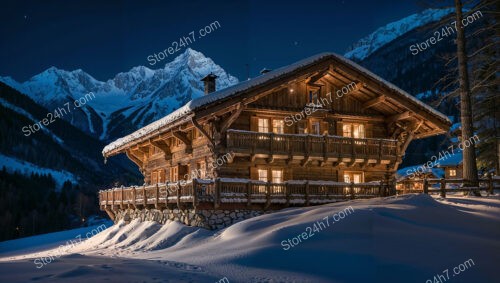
pixel 469 152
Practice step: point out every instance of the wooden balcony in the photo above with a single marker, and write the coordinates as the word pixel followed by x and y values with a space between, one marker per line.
pixel 238 193
pixel 326 147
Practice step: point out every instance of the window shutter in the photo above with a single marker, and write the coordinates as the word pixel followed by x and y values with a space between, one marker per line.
pixel 254 124
pixel 254 174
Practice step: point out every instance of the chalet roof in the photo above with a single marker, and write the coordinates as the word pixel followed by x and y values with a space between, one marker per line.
pixel 188 110
pixel 408 172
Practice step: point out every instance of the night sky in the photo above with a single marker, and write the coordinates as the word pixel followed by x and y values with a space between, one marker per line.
pixel 107 37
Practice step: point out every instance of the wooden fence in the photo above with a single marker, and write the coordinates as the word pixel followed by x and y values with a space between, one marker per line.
pixel 427 186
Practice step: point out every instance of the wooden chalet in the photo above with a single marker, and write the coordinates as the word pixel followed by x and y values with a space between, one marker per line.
pixel 319 130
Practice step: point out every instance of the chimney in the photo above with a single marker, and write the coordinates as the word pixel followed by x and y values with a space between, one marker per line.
pixel 209 81
pixel 265 70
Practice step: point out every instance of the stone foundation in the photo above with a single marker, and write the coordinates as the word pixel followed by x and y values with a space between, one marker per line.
pixel 209 219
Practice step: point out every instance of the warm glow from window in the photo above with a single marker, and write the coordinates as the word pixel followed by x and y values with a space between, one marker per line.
pixel 263 125
pixel 453 172
pixel 277 176
pixel 278 126
pixel 353 130
pixel 354 177
pixel 262 175
pixel 315 128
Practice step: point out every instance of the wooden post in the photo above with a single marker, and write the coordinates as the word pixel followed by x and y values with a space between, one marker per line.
pixel 379 150
pixel 271 141
pixel 157 194
pixel 268 194
pixel 112 199
pixel 353 153
pixel 490 184
pixel 307 193
pixel 178 195
pixel 443 187
pixel 195 192
pixel 249 194
pixel 144 199
pixel 352 190
pixel 133 196
pixel 217 193
pixel 121 201
pixel 426 186
pixel 381 189
pixel 287 194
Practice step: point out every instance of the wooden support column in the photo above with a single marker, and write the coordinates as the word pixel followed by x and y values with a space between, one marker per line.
pixel 249 193
pixel 442 187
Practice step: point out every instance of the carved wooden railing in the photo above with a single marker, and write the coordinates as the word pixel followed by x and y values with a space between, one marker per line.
pixel 245 191
pixel 310 145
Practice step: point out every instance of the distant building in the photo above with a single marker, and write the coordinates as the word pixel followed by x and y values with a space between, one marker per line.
pixel 452 166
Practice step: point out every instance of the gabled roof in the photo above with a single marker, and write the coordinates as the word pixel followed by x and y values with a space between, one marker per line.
pixel 187 111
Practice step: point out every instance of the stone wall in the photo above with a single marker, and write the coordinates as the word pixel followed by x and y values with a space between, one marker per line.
pixel 209 219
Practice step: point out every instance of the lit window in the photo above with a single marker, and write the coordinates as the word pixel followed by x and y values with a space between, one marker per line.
pixel 315 128
pixel 313 96
pixel 200 168
pixel 453 172
pixel 278 126
pixel 355 177
pixel 263 125
pixel 263 175
pixel 277 176
pixel 352 130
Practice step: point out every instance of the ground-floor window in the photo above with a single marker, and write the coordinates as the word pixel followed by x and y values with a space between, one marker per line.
pixel 353 177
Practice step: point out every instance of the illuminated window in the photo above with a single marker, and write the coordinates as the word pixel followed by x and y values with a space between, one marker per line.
pixel 313 96
pixel 201 170
pixel 278 126
pixel 315 129
pixel 354 177
pixel 262 175
pixel 453 172
pixel 263 125
pixel 352 130
pixel 277 176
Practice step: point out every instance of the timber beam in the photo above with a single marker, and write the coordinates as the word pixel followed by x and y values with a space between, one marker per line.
pixel 373 102
pixel 163 146
pixel 182 136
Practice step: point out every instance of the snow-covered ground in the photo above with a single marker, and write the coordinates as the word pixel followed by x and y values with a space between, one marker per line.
pixel 408 238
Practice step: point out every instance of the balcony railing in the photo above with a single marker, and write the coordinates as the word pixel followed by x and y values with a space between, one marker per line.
pixel 325 146
pixel 243 191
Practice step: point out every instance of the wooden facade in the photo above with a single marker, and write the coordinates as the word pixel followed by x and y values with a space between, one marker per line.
pixel 322 119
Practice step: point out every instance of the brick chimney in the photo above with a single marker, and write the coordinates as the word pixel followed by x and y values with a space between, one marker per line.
pixel 209 82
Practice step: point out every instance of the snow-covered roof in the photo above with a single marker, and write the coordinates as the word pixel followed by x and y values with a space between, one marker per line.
pixel 451 160
pixel 191 106
pixel 410 171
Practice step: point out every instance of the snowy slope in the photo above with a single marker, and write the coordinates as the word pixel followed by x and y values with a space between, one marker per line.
pixel 384 35
pixel 140 95
pixel 395 239
pixel 26 168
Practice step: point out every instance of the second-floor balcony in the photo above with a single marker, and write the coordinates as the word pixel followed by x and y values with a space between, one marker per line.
pixel 305 146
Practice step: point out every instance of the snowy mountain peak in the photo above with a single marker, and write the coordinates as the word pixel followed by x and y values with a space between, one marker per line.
pixel 137 96
pixel 382 36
